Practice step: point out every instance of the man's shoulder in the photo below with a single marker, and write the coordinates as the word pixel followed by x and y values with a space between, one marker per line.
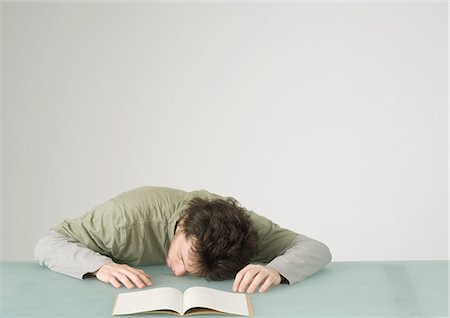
pixel 161 192
pixel 157 197
pixel 146 193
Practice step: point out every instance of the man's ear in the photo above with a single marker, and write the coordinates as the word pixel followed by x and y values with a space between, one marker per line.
pixel 179 225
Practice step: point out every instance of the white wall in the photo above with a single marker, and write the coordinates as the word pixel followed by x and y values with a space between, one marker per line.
pixel 331 119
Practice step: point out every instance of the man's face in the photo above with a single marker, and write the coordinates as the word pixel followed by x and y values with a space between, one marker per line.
pixel 179 257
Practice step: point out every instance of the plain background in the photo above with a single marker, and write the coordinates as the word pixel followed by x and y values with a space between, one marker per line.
pixel 329 118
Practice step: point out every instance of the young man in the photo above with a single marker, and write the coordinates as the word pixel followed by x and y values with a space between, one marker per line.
pixel 197 233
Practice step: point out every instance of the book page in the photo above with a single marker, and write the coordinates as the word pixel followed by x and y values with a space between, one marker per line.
pixel 165 298
pixel 227 302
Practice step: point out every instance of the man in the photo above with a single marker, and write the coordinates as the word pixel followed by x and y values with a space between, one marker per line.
pixel 197 233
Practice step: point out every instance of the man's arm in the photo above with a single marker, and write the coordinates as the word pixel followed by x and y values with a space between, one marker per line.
pixel 64 255
pixel 301 259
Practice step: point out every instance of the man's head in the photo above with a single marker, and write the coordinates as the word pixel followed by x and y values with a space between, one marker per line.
pixel 214 239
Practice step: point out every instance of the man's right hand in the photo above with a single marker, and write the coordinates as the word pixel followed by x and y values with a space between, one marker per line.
pixel 115 274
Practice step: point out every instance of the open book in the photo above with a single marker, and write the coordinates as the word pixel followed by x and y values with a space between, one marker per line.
pixel 194 300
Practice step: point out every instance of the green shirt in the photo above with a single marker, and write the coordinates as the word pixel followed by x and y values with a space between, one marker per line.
pixel 137 226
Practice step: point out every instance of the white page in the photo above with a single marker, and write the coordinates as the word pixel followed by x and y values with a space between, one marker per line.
pixel 233 303
pixel 147 300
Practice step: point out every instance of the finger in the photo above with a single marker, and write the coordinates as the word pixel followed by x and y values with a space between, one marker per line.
pixel 144 273
pixel 113 281
pixel 139 271
pixel 246 280
pixel 266 285
pixel 124 280
pixel 143 276
pixel 257 280
pixel 239 277
pixel 134 278
pixel 138 278
pixel 146 280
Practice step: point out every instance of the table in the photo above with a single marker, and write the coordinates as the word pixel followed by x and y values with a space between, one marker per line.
pixel 342 289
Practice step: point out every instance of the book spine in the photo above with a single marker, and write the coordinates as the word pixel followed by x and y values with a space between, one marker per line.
pixel 249 306
pixel 114 305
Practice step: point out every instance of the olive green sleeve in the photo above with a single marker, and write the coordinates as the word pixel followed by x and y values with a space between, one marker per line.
pixel 273 240
pixel 99 229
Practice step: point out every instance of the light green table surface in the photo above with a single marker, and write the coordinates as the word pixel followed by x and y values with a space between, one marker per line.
pixel 343 289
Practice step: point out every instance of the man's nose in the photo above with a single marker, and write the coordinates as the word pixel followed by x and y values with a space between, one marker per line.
pixel 179 270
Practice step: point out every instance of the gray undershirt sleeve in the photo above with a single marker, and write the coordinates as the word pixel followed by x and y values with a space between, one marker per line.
pixel 62 254
pixel 301 259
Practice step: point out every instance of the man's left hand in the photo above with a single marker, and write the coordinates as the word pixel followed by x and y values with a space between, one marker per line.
pixel 252 276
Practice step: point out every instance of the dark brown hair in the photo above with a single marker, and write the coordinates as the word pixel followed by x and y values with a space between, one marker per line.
pixel 224 237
